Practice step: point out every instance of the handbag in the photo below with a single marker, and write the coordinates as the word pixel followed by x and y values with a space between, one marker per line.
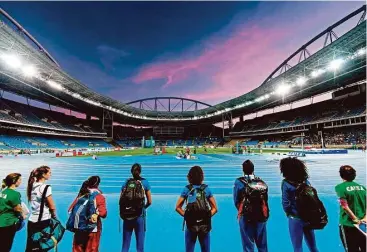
pixel 50 236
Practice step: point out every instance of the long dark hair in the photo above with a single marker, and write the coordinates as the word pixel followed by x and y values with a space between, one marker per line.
pixel 136 171
pixel 10 180
pixel 91 182
pixel 195 175
pixel 35 176
pixel 293 169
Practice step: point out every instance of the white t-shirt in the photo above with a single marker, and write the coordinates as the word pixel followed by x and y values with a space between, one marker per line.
pixel 36 196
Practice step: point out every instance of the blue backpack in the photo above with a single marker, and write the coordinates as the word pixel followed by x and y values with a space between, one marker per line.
pixel 84 208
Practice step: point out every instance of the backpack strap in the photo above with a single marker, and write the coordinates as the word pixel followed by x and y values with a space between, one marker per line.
pixel 243 180
pixel 43 202
pixel 295 184
pixel 203 186
pixel 202 189
pixel 190 187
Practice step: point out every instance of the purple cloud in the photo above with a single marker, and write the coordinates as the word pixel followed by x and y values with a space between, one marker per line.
pixel 239 58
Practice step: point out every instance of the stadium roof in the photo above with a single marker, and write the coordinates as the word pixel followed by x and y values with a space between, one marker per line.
pixel 30 71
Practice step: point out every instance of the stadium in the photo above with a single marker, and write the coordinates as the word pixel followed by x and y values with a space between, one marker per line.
pixel 113 135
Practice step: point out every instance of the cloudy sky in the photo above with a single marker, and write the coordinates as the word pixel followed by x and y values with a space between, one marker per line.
pixel 208 51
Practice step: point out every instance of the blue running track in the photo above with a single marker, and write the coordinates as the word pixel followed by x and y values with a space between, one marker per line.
pixel 167 176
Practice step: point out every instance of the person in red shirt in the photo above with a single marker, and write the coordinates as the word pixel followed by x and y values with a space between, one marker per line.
pixel 85 241
pixel 188 151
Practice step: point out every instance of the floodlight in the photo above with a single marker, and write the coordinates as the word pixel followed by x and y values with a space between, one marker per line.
pixel 301 80
pixel 335 64
pixel 76 95
pixel 54 85
pixel 317 73
pixel 361 51
pixel 12 60
pixel 29 71
pixel 283 89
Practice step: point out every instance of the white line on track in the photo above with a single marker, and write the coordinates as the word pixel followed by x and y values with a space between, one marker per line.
pixel 184 181
pixel 168 186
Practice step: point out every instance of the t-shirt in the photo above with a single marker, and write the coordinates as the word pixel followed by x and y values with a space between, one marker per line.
pixel 355 195
pixel 9 199
pixel 191 197
pixel 36 196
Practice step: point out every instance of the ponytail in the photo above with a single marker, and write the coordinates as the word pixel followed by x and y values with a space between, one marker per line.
pixel 35 176
pixel 3 184
pixel 136 171
pixel 30 185
pixel 91 182
pixel 10 180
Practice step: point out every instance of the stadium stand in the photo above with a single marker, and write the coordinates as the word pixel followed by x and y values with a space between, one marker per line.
pixel 41 120
pixel 8 142
pixel 325 113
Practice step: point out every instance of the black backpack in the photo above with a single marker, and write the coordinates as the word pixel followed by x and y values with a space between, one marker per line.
pixel 309 207
pixel 132 200
pixel 254 200
pixel 197 213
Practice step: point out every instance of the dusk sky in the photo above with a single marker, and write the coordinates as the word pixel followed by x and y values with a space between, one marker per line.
pixel 208 51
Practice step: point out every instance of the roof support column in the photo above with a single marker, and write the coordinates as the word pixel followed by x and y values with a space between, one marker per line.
pixel 107 122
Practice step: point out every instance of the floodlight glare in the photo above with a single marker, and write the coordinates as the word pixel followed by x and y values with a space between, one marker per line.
pixel 283 89
pixel 335 64
pixel 317 73
pixel 54 85
pixel 301 80
pixel 12 60
pixel 361 51
pixel 29 71
pixel 258 99
pixel 76 95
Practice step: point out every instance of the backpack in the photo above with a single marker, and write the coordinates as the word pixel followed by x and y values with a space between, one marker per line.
pixel 132 200
pixel 309 207
pixel 79 218
pixel 254 200
pixel 197 214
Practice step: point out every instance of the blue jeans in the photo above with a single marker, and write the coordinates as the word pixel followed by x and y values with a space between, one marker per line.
pixel 190 240
pixel 137 225
pixel 297 232
pixel 253 233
